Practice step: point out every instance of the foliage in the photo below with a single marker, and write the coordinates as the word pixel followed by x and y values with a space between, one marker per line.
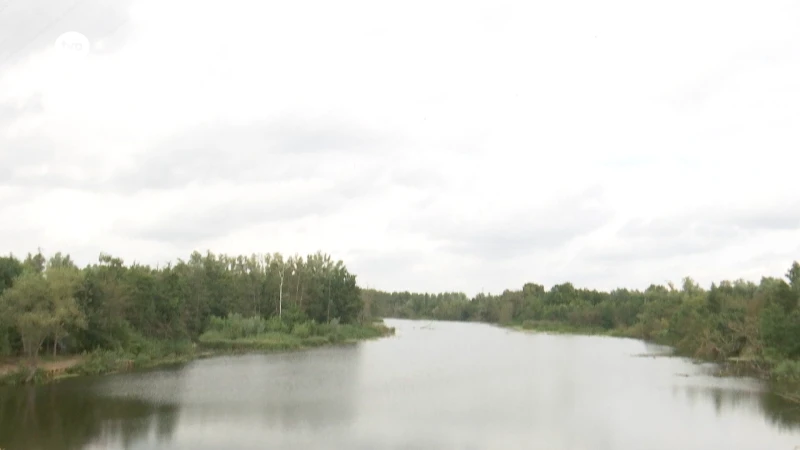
pixel 237 332
pixel 23 375
pixel 141 353
pixel 109 305
pixel 787 370
pixel 42 304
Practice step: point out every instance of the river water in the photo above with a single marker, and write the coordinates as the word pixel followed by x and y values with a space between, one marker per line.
pixel 435 385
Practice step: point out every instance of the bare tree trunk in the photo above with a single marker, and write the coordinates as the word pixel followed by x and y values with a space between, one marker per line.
pixel 33 358
pixel 329 300
pixel 297 289
pixel 280 296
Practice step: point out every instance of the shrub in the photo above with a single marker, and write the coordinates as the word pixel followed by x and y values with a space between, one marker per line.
pixel 787 370
pixel 302 330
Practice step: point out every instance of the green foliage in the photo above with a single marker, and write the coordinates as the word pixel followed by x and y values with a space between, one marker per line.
pixel 302 330
pixel 793 275
pixel 5 343
pixel 560 327
pixel 108 304
pixel 778 292
pixel 236 327
pixel 102 361
pixel 781 332
pixel 294 315
pixel 10 268
pixel 141 353
pixel 28 307
pixel 42 304
pixel 237 332
pixel 787 370
pixel 34 263
pixel 127 316
pixel 22 376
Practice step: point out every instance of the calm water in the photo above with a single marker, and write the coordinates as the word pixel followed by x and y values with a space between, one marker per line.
pixel 433 386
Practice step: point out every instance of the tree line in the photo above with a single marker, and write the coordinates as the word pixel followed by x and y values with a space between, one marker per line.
pixel 51 303
pixel 759 323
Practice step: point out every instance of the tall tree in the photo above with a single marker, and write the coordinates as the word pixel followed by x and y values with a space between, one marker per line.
pixel 28 306
pixel 63 282
pixel 10 268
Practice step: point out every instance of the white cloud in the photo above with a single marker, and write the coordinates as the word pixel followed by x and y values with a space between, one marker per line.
pixel 432 145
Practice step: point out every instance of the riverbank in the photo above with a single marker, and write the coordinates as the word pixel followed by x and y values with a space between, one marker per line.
pixel 781 374
pixel 302 336
pixel 149 354
pixel 563 328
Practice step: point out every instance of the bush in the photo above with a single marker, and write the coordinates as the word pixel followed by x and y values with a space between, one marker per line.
pixel 234 332
pixel 21 376
pixel 294 315
pixel 102 361
pixel 302 330
pixel 276 325
pixel 236 327
pixel 787 370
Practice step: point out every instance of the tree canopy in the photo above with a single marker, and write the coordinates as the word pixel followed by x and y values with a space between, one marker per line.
pixel 108 304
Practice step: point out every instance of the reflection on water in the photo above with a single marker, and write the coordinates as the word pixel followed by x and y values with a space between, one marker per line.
pixel 55 417
pixel 434 385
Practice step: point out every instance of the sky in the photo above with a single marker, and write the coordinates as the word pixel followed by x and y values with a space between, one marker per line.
pixel 431 145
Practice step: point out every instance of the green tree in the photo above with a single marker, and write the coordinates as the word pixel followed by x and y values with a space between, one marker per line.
pixel 10 268
pixel 35 263
pixel 63 282
pixel 794 276
pixel 28 306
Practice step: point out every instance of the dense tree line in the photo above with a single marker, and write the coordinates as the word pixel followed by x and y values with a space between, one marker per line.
pixel 755 322
pixel 54 304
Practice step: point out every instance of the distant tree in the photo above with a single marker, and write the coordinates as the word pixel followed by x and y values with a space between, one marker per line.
pixel 714 300
pixel 35 263
pixel 10 268
pixel 794 276
pixel 60 260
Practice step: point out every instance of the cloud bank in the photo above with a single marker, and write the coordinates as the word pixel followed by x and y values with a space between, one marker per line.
pixel 431 145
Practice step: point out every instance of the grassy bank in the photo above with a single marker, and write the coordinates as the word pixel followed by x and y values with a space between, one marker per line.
pixel 300 336
pixel 544 326
pixel 225 336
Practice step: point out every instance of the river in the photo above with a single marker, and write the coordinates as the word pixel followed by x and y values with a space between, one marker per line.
pixel 435 385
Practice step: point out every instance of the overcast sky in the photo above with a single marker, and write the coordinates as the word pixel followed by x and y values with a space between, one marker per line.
pixel 432 145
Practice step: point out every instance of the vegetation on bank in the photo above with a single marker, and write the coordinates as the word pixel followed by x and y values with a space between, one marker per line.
pixel 747 326
pixel 562 328
pixel 119 316
pixel 218 340
pixel 236 332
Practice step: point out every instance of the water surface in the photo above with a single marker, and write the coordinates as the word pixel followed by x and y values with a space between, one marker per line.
pixel 434 385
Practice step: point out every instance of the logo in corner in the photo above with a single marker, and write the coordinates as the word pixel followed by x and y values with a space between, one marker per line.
pixel 72 44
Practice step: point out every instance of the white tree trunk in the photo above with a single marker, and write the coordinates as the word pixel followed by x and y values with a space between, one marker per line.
pixel 280 295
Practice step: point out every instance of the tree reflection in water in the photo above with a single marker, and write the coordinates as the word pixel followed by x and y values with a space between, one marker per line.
pixel 58 417
pixel 783 414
